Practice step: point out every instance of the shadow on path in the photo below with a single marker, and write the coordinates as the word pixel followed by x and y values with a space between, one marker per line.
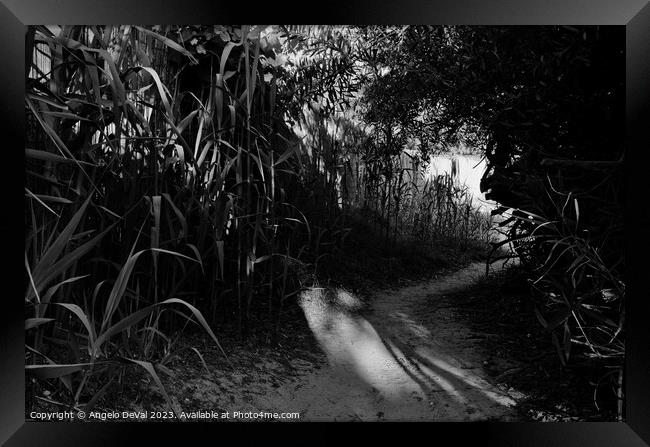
pixel 401 361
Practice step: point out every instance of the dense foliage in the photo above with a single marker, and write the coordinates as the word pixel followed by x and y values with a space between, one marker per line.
pixel 182 175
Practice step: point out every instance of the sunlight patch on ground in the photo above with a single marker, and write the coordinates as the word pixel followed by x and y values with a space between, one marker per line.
pixel 347 300
pixel 352 345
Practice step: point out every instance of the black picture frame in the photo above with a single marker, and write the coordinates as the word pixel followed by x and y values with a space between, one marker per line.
pixel 15 15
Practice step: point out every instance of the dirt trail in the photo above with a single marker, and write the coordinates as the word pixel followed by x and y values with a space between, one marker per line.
pixel 407 359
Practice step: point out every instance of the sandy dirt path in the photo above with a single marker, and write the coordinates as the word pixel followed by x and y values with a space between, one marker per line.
pixel 405 359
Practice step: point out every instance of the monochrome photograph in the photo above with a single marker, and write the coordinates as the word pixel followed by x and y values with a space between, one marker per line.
pixel 336 223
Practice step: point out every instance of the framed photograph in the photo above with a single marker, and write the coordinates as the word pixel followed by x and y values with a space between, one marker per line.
pixel 431 214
